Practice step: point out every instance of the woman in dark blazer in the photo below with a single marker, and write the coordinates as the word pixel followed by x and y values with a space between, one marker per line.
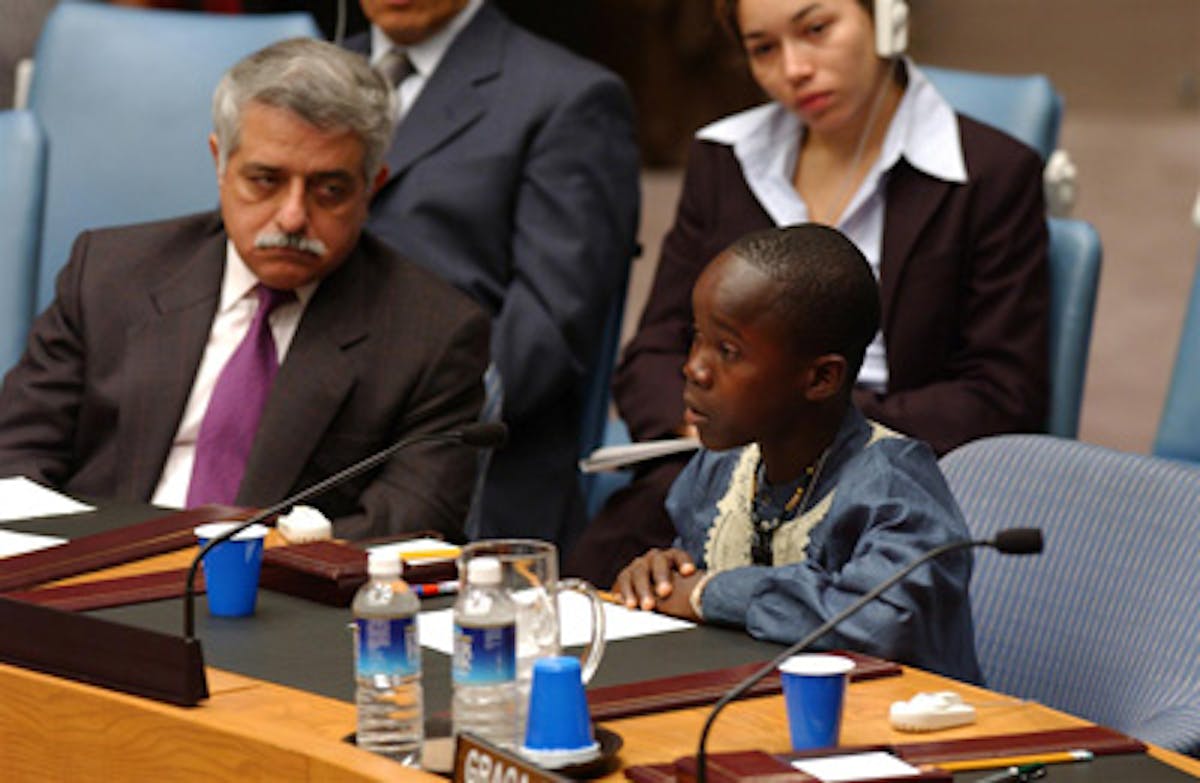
pixel 948 211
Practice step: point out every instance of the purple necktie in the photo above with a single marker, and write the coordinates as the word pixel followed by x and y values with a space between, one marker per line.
pixel 231 420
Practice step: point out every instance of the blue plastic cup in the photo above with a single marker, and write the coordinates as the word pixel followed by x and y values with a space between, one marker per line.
pixel 231 568
pixel 814 687
pixel 558 732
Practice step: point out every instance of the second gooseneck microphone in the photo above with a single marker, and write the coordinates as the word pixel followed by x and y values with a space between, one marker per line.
pixel 1012 541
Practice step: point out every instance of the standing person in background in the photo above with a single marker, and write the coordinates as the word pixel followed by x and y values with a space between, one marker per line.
pixel 948 212
pixel 513 175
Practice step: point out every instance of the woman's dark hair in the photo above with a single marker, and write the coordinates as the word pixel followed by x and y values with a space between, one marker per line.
pixel 726 13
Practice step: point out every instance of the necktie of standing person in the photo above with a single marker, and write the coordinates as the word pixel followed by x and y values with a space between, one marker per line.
pixel 235 408
pixel 395 66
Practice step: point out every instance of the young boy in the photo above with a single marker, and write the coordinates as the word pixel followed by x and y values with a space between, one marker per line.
pixel 797 505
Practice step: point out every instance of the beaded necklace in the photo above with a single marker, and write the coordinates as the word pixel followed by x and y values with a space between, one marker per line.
pixel 764 525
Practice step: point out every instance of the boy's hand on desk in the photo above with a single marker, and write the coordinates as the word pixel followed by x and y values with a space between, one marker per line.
pixel 661 579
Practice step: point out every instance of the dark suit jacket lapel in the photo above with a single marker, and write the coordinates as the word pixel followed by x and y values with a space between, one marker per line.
pixel 451 99
pixel 314 379
pixel 912 201
pixel 168 347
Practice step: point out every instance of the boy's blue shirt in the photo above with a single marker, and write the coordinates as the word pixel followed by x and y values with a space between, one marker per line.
pixel 877 501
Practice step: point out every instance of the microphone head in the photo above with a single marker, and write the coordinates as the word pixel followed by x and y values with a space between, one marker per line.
pixel 485 434
pixel 1018 541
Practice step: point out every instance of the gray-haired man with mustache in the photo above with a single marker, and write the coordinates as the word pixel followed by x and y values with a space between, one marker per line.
pixel 237 357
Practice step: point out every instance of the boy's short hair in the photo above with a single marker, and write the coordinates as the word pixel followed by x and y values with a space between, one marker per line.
pixel 826 293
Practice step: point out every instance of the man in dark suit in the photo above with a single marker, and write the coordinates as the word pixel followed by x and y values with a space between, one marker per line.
pixel 514 175
pixel 142 373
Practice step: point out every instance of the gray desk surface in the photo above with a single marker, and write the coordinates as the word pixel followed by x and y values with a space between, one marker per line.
pixel 306 645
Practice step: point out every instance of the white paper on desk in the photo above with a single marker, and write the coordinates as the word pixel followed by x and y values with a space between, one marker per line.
pixel 876 765
pixel 617 457
pixel 436 629
pixel 14 543
pixel 21 498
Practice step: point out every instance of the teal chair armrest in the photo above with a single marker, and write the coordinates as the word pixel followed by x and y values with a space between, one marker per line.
pixel 1075 257
pixel 1178 434
pixel 22 163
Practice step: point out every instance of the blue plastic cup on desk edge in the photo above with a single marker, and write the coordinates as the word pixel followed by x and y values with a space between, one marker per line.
pixel 558 731
pixel 231 568
pixel 814 687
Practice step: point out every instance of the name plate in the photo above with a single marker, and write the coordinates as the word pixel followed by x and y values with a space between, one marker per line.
pixel 479 761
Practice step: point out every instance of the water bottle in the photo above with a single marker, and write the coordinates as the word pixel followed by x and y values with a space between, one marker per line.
pixel 484 671
pixel 387 660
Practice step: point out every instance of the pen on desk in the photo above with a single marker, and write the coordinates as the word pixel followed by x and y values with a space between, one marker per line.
pixel 1021 774
pixel 440 553
pixel 430 589
pixel 1060 757
pixel 611 597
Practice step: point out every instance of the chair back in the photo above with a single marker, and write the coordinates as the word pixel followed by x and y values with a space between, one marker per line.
pixel 1179 428
pixel 597 399
pixel 22 163
pixel 1024 106
pixel 491 412
pixel 1028 108
pixel 1103 624
pixel 1075 256
pixel 125 98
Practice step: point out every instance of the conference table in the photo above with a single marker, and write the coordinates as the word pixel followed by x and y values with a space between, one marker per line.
pixel 281 703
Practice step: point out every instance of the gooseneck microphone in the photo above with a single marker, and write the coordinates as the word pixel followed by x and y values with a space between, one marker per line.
pixel 1012 541
pixel 481 435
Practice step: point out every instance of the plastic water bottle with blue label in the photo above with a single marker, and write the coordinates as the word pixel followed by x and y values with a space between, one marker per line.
pixel 484 670
pixel 387 659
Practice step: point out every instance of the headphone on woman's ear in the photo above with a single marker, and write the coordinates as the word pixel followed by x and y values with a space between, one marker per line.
pixel 891 27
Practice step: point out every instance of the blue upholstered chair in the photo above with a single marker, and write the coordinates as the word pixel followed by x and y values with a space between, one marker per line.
pixel 1025 106
pixel 1179 429
pixel 22 161
pixel 1104 623
pixel 593 427
pixel 1030 109
pixel 1075 256
pixel 124 97
pixel 492 411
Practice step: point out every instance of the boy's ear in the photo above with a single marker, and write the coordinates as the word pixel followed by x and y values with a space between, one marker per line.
pixel 825 377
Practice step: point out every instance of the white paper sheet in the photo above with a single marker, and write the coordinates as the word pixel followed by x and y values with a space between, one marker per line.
pixel 436 629
pixel 856 766
pixel 14 543
pixel 21 498
pixel 617 457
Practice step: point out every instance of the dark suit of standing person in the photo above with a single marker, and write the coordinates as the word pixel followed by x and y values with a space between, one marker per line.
pixel 122 371
pixel 514 175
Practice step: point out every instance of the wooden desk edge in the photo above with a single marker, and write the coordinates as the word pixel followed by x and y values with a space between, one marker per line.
pixel 310 726
pixel 56 729
pixel 259 730
pixel 760 723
